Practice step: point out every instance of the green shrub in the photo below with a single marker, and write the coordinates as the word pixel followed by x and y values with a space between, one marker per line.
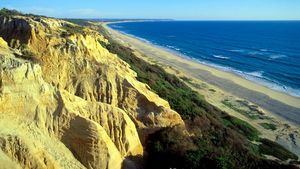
pixel 242 127
pixel 7 12
pixel 71 30
pixel 268 126
pixel 269 147
pixel 11 12
pixel 247 113
pixel 82 22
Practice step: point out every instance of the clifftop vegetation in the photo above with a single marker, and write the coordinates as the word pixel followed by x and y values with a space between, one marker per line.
pixel 11 12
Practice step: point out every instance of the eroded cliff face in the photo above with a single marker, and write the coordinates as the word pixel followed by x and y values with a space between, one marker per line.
pixel 66 102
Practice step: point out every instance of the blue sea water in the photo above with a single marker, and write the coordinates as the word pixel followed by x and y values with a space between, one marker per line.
pixel 267 52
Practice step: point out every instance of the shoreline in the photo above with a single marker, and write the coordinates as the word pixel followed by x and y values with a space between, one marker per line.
pixel 278 109
pixel 289 102
pixel 285 90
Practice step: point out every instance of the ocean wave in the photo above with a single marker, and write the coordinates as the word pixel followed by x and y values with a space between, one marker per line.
pixel 264 50
pixel 221 57
pixel 258 74
pixel 277 56
pixel 117 26
pixel 261 52
pixel 255 53
pixel 173 47
pixel 237 50
pixel 257 77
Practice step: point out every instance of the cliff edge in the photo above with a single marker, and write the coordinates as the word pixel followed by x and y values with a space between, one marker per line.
pixel 67 102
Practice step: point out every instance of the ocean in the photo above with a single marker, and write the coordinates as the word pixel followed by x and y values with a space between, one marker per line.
pixel 266 52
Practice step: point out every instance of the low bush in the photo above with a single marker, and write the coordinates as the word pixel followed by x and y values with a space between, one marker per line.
pixel 242 127
pixel 268 126
pixel 269 147
pixel 10 12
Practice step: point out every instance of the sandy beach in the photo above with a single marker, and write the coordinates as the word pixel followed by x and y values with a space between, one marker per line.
pixel 281 104
pixel 220 88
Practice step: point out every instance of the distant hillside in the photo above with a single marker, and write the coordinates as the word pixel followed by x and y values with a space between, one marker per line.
pixel 85 22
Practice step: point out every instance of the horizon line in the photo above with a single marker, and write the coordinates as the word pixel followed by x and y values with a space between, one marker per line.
pixel 166 19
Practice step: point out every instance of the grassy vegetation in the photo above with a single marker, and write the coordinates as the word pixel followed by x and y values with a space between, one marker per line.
pixel 8 12
pixel 186 79
pixel 71 30
pixel 268 147
pixel 245 110
pixel 268 126
pixel 218 141
pixel 82 22
pixel 242 127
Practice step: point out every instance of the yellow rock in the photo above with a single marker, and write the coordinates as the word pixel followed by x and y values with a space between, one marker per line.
pixel 67 102
pixel 3 43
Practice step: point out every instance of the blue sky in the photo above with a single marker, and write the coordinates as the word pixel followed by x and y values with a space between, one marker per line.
pixel 171 9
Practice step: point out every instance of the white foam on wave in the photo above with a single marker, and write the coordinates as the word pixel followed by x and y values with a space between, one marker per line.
pixel 221 57
pixel 277 56
pixel 264 50
pixel 261 79
pixel 258 74
pixel 255 53
pixel 257 77
pixel 237 50
pixel 117 26
pixel 173 47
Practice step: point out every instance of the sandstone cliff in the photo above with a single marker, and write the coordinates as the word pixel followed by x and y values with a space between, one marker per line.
pixel 67 102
